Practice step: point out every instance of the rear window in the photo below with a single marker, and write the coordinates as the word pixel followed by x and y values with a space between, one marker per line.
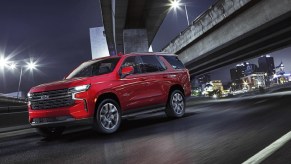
pixel 175 62
pixel 151 64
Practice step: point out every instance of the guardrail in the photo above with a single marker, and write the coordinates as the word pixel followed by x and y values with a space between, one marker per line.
pixel 13 114
pixel 13 117
pixel 220 10
pixel 11 99
pixel 12 109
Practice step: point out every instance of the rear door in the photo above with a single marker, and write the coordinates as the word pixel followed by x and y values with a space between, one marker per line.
pixel 178 74
pixel 153 71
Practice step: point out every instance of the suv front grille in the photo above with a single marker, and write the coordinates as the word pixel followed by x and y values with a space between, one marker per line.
pixel 51 99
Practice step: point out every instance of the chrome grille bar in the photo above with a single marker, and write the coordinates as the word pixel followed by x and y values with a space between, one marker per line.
pixel 51 99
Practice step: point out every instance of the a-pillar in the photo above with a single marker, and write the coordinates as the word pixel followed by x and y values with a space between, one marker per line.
pixel 135 40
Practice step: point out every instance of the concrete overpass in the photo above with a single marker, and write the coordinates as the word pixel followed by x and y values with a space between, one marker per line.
pixel 131 25
pixel 231 31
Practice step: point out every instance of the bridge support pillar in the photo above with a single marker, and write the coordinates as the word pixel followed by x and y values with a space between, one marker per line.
pixel 135 40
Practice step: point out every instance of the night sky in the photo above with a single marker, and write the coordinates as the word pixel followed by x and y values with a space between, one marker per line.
pixel 56 34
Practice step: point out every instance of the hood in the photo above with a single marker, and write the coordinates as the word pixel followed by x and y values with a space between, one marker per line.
pixel 62 84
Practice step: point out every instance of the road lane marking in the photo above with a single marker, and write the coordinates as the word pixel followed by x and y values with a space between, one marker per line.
pixel 263 154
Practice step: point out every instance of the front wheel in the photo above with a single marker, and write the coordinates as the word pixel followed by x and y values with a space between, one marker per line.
pixel 107 117
pixel 176 104
pixel 50 132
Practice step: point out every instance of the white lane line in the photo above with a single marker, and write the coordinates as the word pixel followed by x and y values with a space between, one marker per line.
pixel 263 154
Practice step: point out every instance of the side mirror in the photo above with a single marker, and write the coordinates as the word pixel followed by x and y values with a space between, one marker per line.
pixel 126 71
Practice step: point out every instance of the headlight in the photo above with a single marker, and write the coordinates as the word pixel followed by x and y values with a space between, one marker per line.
pixel 80 88
pixel 28 95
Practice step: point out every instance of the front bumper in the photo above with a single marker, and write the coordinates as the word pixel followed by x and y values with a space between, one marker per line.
pixel 63 116
pixel 59 121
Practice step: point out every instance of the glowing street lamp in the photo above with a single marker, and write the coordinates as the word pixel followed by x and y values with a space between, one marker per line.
pixel 31 65
pixel 3 62
pixel 176 4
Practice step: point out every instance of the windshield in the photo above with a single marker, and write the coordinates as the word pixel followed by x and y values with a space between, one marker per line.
pixel 94 68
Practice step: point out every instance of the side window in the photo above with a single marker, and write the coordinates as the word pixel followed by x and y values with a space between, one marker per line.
pixel 103 67
pixel 85 72
pixel 175 62
pixel 132 61
pixel 151 63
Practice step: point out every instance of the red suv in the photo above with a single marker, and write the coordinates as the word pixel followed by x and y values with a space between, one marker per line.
pixel 103 91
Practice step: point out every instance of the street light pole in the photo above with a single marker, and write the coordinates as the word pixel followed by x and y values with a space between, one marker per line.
pixel 187 15
pixel 176 4
pixel 20 76
pixel 29 65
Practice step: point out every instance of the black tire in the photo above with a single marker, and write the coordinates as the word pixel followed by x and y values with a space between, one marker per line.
pixel 107 116
pixel 176 104
pixel 50 132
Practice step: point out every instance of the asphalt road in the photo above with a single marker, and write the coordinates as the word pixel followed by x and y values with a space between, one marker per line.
pixel 222 132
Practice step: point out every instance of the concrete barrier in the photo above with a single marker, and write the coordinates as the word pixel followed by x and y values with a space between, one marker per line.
pixel 13 116
pixel 13 109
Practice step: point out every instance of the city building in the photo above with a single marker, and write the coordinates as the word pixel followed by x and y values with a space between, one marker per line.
pixel 217 84
pixel 266 64
pixel 99 46
pixel 254 81
pixel 242 70
pixel 203 79
pixel 281 77
pixel 211 87
pixel 280 69
pixel 250 69
pixel 238 73
pixel 234 75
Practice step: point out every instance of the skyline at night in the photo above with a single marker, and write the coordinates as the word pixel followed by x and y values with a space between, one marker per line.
pixel 279 55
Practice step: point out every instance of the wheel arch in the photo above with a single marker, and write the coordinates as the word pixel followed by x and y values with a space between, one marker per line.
pixel 175 87
pixel 104 96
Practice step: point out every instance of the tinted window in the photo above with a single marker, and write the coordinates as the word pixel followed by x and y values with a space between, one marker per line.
pixel 133 61
pixel 151 64
pixel 175 62
pixel 94 67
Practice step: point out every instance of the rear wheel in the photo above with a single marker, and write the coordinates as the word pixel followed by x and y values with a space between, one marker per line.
pixel 107 117
pixel 176 104
pixel 50 132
